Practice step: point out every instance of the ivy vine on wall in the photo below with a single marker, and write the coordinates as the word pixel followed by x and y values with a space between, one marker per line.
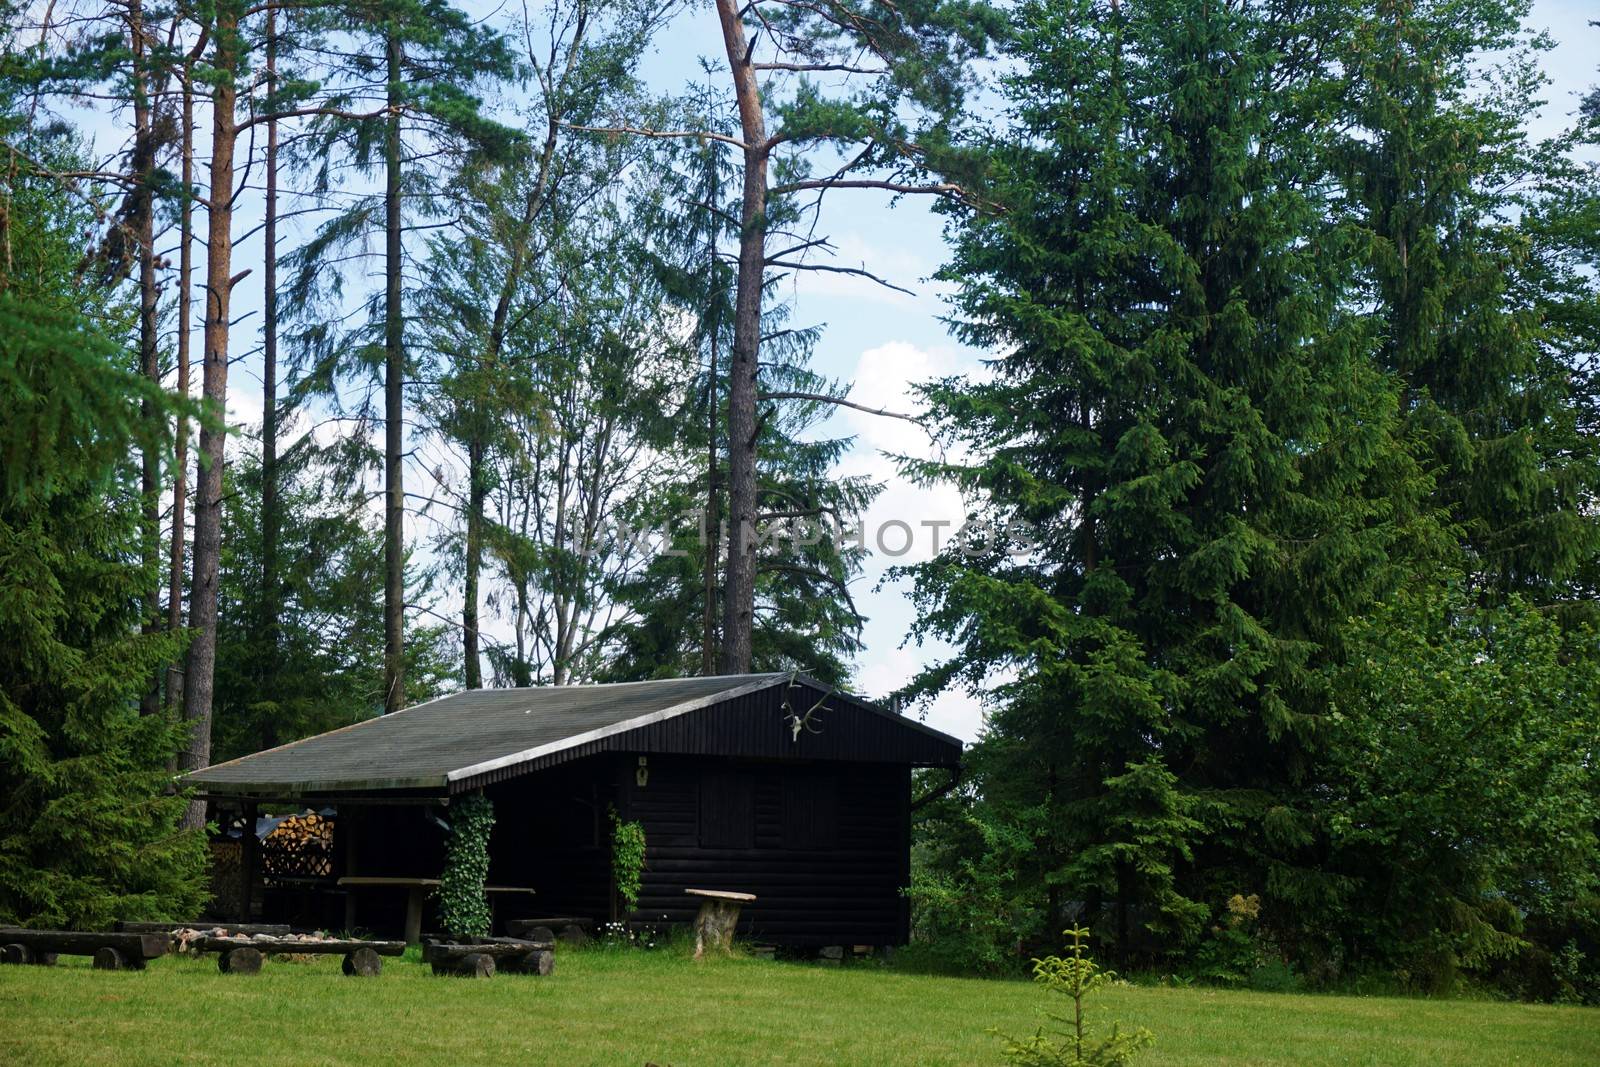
pixel 463 907
pixel 627 860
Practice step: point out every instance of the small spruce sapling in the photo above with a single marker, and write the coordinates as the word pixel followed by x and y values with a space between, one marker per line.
pixel 1075 1044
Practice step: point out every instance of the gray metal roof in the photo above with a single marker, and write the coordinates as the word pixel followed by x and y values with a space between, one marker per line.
pixel 465 735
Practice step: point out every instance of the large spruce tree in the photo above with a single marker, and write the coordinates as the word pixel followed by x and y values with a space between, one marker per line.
pixel 1187 416
pixel 88 822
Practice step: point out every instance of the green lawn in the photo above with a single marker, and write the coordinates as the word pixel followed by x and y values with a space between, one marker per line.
pixel 631 1008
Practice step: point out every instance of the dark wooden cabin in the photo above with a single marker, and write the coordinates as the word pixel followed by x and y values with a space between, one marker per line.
pixel 771 784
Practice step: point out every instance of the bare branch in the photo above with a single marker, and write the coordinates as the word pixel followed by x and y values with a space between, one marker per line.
pixel 857 271
pixel 824 398
pixel 807 68
pixel 933 189
pixel 638 131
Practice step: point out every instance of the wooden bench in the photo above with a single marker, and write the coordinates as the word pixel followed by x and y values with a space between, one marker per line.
pixel 244 955
pixel 480 957
pixel 112 951
pixel 719 914
pixel 565 928
pixel 272 929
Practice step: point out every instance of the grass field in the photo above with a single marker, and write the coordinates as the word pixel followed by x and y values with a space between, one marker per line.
pixel 606 1007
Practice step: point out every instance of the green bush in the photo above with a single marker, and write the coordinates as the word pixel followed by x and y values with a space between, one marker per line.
pixel 969 911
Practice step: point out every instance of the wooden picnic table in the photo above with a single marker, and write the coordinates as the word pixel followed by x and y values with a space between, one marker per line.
pixel 415 888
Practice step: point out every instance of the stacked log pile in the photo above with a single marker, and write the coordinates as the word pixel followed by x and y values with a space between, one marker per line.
pixel 301 846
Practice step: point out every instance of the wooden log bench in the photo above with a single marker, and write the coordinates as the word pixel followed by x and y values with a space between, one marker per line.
pixel 719 914
pixel 271 929
pixel 480 957
pixel 568 929
pixel 112 951
pixel 245 955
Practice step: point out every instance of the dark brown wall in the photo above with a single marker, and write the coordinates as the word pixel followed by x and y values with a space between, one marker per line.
pixel 827 872
pixel 551 834
pixel 824 845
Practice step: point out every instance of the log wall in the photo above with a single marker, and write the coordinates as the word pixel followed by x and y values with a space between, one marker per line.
pixel 829 847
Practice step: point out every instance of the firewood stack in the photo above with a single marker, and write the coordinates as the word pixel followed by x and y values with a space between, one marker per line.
pixel 301 846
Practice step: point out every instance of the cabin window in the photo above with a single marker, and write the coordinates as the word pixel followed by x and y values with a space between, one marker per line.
pixel 810 810
pixel 727 810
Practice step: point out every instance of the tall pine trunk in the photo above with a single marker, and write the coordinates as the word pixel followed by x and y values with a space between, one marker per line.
pixel 143 224
pixel 271 520
pixel 394 405
pixel 200 678
pixel 469 609
pixel 738 610
pixel 180 453
pixel 708 616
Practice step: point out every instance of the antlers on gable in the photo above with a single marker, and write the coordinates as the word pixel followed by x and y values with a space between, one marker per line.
pixel 807 721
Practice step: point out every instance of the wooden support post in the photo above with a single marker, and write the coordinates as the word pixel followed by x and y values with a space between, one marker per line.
pixel 248 858
pixel 345 823
pixel 414 915
pixel 713 927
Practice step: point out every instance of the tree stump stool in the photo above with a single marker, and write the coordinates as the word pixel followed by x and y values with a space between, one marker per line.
pixel 363 963
pixel 719 915
pixel 240 961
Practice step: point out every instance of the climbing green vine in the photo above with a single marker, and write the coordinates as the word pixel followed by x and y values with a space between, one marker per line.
pixel 463 907
pixel 627 860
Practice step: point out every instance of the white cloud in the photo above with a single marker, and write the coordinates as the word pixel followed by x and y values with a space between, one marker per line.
pixel 885 376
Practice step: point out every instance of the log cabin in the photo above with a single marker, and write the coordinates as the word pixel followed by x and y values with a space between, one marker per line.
pixel 769 784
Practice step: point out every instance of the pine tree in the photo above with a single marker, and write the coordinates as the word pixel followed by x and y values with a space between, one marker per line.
pixel 321 665
pixel 828 96
pixel 484 313
pixel 804 615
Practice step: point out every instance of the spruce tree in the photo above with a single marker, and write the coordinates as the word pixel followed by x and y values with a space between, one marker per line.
pixel 88 822
pixel 1187 419
pixel 1478 245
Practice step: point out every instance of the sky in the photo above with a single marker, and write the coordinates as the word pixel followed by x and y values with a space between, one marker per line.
pixel 884 342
